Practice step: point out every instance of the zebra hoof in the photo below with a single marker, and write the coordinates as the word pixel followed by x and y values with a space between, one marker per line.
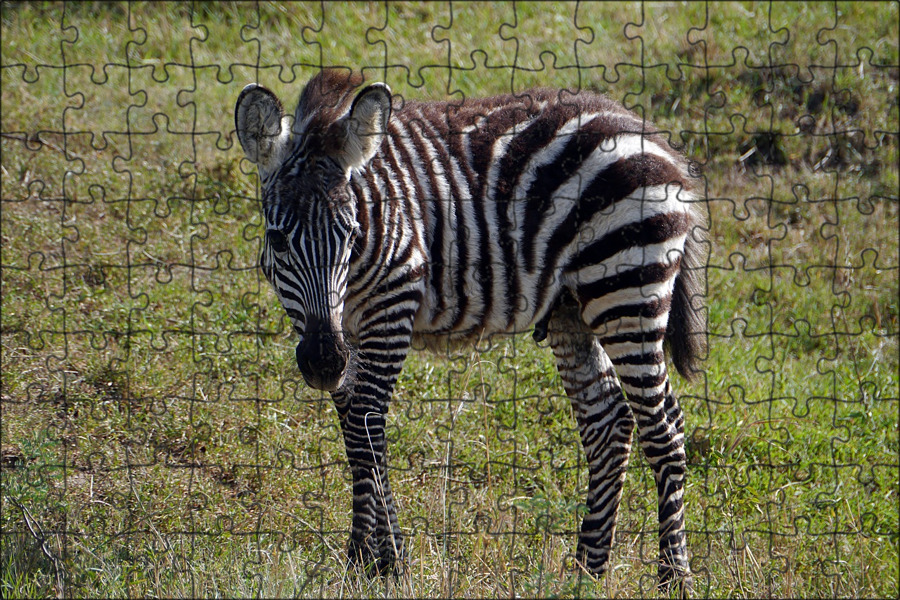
pixel 675 582
pixel 373 562
pixel 595 564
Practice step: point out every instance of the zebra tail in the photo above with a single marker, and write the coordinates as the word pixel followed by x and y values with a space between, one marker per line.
pixel 686 330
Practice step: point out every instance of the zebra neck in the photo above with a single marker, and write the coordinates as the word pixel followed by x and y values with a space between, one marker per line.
pixel 389 214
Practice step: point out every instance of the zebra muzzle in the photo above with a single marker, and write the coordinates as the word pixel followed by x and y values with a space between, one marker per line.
pixel 322 360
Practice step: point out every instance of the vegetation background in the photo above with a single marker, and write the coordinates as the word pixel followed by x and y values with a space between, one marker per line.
pixel 157 441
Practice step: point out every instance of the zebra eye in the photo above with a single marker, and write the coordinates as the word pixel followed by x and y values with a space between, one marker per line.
pixel 356 241
pixel 277 241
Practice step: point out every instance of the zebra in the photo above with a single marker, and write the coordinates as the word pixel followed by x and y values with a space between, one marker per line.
pixel 439 223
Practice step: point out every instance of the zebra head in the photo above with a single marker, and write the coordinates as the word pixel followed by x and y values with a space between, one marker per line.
pixel 310 212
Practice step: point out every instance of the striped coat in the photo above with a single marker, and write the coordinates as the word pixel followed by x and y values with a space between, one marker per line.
pixel 393 223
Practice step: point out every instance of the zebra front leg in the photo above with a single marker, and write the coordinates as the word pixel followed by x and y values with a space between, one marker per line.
pixel 375 538
pixel 606 426
pixel 376 543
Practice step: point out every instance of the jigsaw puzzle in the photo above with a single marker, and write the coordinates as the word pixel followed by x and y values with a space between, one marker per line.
pixel 450 299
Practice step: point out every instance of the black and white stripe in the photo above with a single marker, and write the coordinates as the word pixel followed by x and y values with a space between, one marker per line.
pixel 445 223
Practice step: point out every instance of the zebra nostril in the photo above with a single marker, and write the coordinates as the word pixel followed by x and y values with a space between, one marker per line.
pixel 339 363
pixel 303 358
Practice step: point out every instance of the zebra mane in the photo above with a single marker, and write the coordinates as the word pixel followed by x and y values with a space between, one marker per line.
pixel 324 100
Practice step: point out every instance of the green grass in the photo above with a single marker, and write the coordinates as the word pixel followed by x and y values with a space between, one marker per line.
pixel 156 440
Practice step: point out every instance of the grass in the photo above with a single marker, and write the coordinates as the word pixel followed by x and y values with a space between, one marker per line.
pixel 156 440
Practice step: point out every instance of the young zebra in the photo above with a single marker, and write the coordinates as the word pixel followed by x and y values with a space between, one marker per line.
pixel 438 221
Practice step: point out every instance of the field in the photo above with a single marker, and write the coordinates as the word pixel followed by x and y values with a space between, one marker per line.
pixel 157 439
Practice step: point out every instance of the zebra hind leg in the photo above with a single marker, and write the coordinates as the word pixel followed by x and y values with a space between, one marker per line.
pixel 639 362
pixel 605 424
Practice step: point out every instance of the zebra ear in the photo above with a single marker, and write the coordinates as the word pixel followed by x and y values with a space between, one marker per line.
pixel 365 125
pixel 258 120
